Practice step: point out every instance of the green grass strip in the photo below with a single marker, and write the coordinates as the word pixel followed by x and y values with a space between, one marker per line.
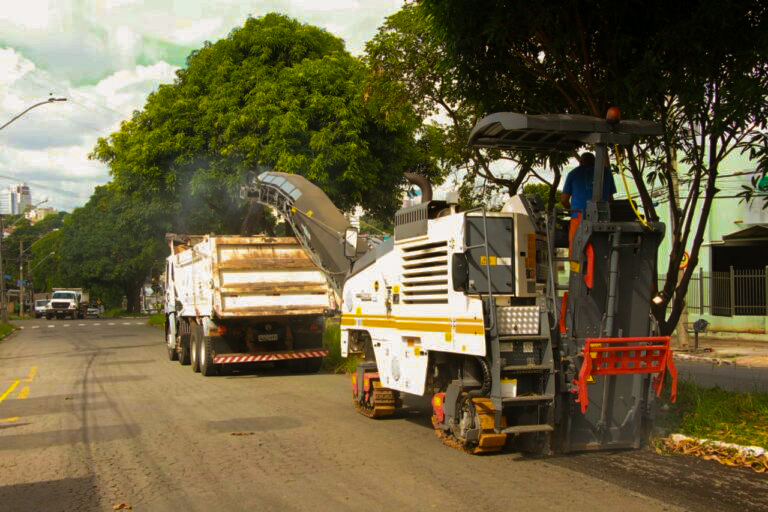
pixel 719 415
pixel 6 329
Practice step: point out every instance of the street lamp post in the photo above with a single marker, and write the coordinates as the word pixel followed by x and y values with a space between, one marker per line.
pixel 4 313
pixel 49 100
pixel 21 272
pixel 29 273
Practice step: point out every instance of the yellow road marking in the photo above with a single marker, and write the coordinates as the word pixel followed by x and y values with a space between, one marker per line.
pixel 9 420
pixel 31 374
pixel 9 390
pixel 24 393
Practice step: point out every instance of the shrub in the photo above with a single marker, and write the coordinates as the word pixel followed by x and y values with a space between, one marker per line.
pixel 332 341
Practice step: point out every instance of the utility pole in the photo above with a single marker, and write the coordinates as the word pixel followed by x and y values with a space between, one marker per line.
pixel 21 279
pixel 2 277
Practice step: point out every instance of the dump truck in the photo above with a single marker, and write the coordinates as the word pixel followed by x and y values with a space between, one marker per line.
pixel 236 299
pixel 71 302
pixel 467 307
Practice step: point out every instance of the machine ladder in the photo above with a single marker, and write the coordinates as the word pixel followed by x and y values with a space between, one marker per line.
pixel 522 366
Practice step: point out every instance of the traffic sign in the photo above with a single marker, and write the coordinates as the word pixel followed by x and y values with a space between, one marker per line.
pixel 684 261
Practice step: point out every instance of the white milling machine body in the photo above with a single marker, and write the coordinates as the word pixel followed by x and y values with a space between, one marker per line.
pixel 465 306
pixel 421 304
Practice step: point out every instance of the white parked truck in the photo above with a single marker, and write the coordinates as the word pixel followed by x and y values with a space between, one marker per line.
pixel 232 299
pixel 71 302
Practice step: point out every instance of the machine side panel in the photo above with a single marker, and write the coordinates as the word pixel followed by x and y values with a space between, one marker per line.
pixel 406 304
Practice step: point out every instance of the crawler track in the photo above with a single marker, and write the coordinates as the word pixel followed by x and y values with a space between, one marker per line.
pixel 489 442
pixel 384 403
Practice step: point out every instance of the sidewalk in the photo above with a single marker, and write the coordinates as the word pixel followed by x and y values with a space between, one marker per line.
pixel 749 353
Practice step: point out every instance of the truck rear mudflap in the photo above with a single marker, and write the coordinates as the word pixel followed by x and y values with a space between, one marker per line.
pixel 285 355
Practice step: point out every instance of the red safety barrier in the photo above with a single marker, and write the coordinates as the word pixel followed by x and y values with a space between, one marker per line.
pixel 626 356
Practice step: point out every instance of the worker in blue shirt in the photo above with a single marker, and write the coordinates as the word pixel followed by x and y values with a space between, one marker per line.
pixel 578 186
pixel 578 190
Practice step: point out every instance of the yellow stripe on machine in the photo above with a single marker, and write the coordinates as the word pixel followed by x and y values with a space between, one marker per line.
pixel 421 324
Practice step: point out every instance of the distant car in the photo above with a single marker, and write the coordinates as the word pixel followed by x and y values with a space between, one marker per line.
pixel 93 311
pixel 40 306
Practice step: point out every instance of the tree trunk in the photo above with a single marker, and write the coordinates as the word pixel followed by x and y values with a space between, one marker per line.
pixel 133 295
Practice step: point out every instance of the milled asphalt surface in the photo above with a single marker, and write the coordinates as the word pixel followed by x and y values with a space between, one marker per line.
pixel 93 415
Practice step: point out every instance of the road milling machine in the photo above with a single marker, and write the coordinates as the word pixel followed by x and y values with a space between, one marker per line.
pixel 466 306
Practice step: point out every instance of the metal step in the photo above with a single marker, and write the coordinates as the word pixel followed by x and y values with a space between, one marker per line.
pixel 524 337
pixel 525 429
pixel 528 399
pixel 526 368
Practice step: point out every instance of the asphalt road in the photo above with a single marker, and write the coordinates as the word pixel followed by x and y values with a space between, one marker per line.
pixel 93 415
pixel 728 377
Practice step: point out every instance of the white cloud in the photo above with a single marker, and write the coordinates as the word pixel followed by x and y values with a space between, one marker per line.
pixel 192 32
pixel 90 51
pixel 13 65
pixel 48 147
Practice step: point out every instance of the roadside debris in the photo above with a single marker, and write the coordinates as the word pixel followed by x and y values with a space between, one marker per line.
pixel 728 454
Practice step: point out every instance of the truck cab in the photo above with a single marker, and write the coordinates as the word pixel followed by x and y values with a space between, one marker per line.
pixel 65 303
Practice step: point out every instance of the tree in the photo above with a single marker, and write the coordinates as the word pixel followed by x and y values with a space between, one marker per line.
pixel 274 93
pixel 34 240
pixel 699 68
pixel 409 64
pixel 112 243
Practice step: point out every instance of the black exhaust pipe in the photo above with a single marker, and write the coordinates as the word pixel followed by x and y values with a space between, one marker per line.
pixel 423 183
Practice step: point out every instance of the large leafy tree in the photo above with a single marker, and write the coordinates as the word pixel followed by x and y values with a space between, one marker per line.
pixel 274 93
pixel 111 244
pixel 700 68
pixel 410 63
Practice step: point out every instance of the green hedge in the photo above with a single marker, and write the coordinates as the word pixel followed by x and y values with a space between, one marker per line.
pixel 157 320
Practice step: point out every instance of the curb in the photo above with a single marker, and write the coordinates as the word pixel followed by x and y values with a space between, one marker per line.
pixel 705 359
pixel 729 454
pixel 748 451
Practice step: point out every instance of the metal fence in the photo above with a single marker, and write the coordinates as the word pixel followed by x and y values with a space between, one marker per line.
pixel 731 293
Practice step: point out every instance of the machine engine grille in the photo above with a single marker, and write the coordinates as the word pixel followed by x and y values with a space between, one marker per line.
pixel 425 273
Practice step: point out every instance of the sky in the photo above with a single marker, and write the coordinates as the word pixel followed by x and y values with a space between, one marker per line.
pixel 105 57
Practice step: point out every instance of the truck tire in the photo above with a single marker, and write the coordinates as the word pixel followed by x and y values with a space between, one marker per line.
pixel 194 349
pixel 184 344
pixel 173 354
pixel 207 367
pixel 311 365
